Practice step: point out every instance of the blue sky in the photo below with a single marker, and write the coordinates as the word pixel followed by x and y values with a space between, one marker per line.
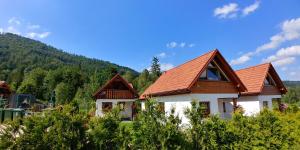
pixel 131 32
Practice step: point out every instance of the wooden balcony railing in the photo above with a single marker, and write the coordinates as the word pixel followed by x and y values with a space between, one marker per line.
pixel 118 94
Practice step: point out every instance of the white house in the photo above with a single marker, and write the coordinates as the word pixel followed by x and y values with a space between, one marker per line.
pixel 211 81
pixel 264 88
pixel 208 79
pixel 116 92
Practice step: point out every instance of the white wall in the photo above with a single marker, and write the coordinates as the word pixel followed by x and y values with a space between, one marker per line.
pixel 253 104
pixel 126 112
pixel 181 102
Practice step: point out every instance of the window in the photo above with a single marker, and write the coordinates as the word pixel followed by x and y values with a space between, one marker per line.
pixel 106 106
pixel 224 107
pixel 161 106
pixel 265 104
pixel 269 81
pixel 205 109
pixel 121 105
pixel 213 72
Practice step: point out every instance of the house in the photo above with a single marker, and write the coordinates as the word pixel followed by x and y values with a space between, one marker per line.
pixel 264 88
pixel 208 79
pixel 116 92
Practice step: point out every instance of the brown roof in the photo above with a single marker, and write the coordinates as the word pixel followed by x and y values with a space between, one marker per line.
pixel 180 79
pixel 253 78
pixel 4 85
pixel 117 77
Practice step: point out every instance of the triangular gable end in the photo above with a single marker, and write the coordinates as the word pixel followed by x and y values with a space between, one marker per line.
pixel 116 83
pixel 225 72
pixel 272 78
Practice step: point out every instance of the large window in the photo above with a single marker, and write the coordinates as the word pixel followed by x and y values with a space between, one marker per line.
pixel 106 106
pixel 269 81
pixel 205 108
pixel 213 72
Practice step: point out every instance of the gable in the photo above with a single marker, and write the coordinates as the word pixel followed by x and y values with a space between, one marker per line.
pixel 181 79
pixel 215 79
pixel 116 88
pixel 257 77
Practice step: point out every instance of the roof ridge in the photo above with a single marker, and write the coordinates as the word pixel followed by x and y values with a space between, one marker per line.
pixel 193 59
pixel 252 67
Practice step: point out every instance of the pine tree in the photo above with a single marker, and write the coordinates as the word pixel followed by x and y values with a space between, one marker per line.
pixel 155 67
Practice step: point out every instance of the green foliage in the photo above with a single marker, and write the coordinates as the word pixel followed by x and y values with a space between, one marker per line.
pixel 63 128
pixel 153 130
pixel 66 128
pixel 155 67
pixel 35 68
pixel 104 131
pixel 292 96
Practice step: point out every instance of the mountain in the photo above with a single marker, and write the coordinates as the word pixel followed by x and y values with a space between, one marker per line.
pixel 18 53
pixel 292 83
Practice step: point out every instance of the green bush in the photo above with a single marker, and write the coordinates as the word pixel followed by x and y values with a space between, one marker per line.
pixel 67 128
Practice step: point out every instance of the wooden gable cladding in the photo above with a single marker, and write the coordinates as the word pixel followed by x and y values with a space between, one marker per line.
pixel 116 88
pixel 214 87
pixel 270 90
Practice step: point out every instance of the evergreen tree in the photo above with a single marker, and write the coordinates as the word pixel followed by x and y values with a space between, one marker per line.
pixel 155 67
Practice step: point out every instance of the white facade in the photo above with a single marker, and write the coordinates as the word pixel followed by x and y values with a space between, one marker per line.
pixel 253 104
pixel 182 102
pixel 218 102
pixel 125 113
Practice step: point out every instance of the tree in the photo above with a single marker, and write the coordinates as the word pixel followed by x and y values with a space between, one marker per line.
pixel 155 67
pixel 128 76
pixel 64 93
pixel 33 83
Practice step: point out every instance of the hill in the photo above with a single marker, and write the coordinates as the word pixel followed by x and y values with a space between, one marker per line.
pixel 32 67
pixel 292 83
pixel 20 53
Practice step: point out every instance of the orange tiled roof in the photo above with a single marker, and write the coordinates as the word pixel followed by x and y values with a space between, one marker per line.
pixel 253 78
pixel 180 79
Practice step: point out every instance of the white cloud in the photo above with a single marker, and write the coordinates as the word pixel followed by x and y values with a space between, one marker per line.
pixel 284 53
pixel 251 8
pixel 182 44
pixel 162 55
pixel 241 60
pixel 12 29
pixel 226 11
pixel 38 35
pixel 172 45
pixel 191 45
pixel 179 44
pixel 15 26
pixel 14 21
pixel 284 61
pixel 284 56
pixel 32 27
pixel 166 66
pixel 290 30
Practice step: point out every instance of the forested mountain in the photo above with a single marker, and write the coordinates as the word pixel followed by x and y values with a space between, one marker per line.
pixel 32 67
pixel 291 83
pixel 20 54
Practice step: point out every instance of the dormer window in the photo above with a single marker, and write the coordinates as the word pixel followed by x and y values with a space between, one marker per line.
pixel 214 73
